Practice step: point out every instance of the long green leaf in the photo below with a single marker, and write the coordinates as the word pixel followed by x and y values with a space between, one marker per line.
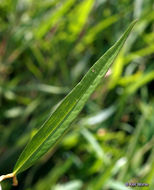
pixel 59 121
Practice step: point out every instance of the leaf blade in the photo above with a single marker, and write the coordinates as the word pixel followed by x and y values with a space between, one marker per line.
pixel 59 121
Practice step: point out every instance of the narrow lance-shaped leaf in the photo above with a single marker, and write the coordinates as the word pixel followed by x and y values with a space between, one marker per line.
pixel 59 121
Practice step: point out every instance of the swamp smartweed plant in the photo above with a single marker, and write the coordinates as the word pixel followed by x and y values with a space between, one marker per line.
pixel 55 126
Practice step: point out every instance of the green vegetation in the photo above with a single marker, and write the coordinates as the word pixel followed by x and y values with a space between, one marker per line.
pixel 46 47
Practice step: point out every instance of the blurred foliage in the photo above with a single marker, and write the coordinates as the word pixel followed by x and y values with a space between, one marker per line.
pixel 45 49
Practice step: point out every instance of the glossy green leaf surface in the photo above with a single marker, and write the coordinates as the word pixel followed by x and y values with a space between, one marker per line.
pixel 59 121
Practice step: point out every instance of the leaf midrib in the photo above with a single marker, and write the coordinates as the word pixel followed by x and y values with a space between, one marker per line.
pixel 80 96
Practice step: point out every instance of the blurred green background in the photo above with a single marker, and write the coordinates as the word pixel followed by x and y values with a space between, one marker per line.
pixel 46 47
